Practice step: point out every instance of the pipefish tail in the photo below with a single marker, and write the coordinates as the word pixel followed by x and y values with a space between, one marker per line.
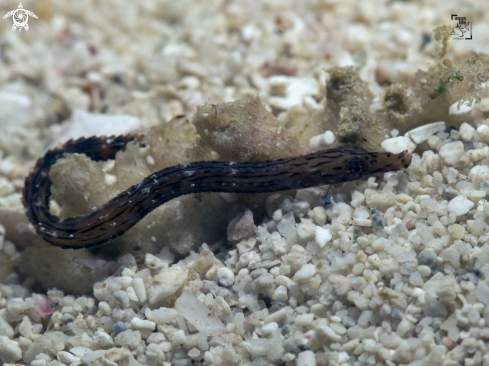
pixel 340 164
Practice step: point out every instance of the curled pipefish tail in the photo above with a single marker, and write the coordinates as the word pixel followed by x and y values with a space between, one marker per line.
pixel 37 185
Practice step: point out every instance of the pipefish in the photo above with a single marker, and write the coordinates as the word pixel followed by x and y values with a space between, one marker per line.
pixel 340 164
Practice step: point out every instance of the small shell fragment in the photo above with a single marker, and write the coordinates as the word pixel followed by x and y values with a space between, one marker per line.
pixel 423 133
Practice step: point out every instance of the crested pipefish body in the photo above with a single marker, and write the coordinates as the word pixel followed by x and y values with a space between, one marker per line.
pixel 340 164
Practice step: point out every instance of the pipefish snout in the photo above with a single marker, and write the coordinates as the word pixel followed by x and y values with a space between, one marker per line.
pixel 340 164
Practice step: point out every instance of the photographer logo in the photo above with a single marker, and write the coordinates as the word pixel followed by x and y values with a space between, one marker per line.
pixel 20 17
pixel 462 30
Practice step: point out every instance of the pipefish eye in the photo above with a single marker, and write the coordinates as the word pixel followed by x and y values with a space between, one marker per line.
pixel 356 168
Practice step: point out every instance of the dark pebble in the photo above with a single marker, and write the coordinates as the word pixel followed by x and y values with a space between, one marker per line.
pixel 449 194
pixel 328 201
pixel 303 347
pixel 377 218
pixel 396 314
pixel 119 327
pixel 468 146
pixel 440 335
pixel 427 257
pixel 66 318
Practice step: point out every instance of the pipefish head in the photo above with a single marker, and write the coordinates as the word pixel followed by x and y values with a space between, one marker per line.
pixel 363 165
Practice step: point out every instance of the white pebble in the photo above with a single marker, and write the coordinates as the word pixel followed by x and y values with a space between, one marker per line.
pixel 368 344
pixel 478 154
pixel 153 262
pixel 225 276
pixel 306 272
pixel 297 89
pixel 5 328
pixel 278 315
pixel 304 319
pixel 326 332
pixel 280 293
pixel 306 231
pixel 397 145
pixel 343 357
pixel 466 132
pixel 321 141
pixel 208 358
pixel 329 137
pixel 143 324
pixel 415 279
pixel 362 222
pixel 361 212
pixel 278 84
pixel 288 357
pixel 460 205
pixel 482 292
pixel 132 294
pixel 163 315
pixel 453 154
pixel 101 339
pixel 166 283
pixel 357 198
pixel 473 193
pixel 422 133
pixel 380 200
pixel 482 133
pixel 140 289
pixel 80 351
pixel 178 337
pixel 322 236
pixel 277 215
pixel 194 353
pixel 434 141
pixel 87 124
pixel 128 337
pixel 105 308
pixel 341 284
pixel 319 215
pixel 404 327
pixel 361 302
pixel 269 328
pixel 9 350
pixel 110 179
pixel 94 77
pixel 189 82
pixel 67 358
pixel 341 213
pixel 91 358
pixel 424 270
pixel 150 160
pixel 484 104
pixel 460 113
pixel 198 314
pixel 122 297
pixel 315 142
pixel 306 358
